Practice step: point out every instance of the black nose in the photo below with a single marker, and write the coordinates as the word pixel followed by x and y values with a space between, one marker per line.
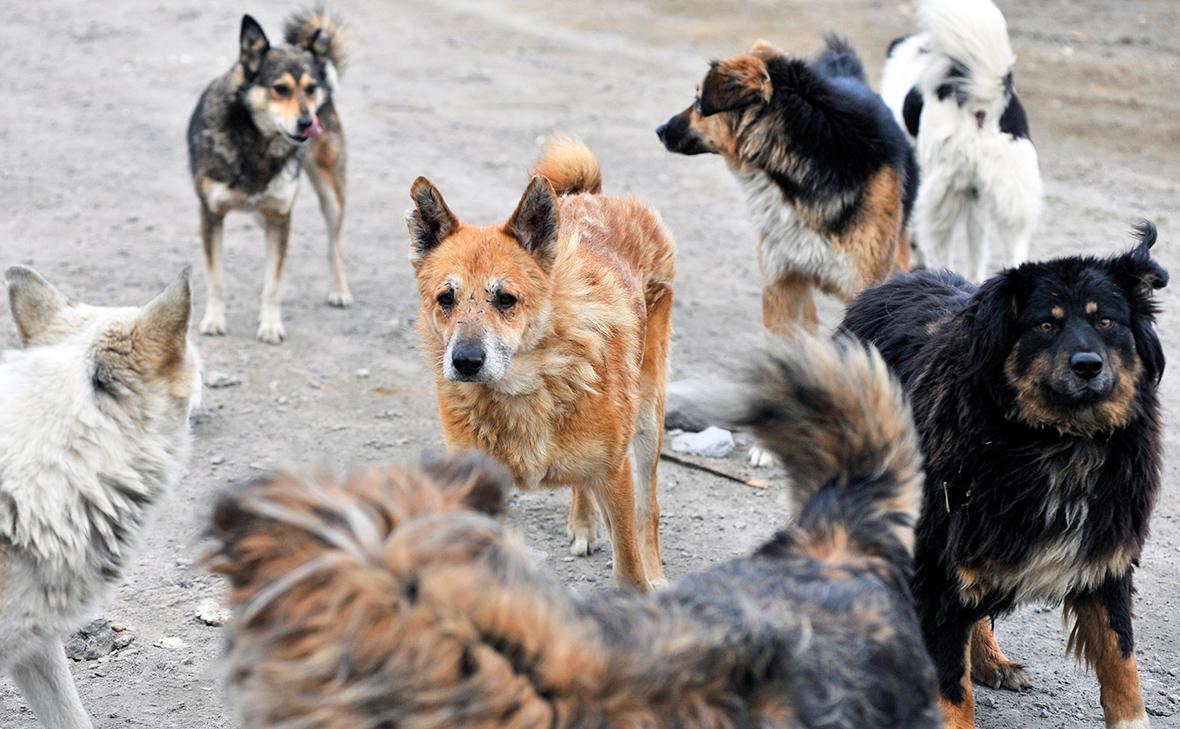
pixel 467 359
pixel 662 131
pixel 304 123
pixel 1086 364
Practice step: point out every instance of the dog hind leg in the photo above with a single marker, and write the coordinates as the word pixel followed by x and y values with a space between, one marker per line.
pixel 213 322
pixel 616 502
pixel 649 432
pixel 583 522
pixel 989 666
pixel 45 681
pixel 978 243
pixel 270 318
pixel 326 174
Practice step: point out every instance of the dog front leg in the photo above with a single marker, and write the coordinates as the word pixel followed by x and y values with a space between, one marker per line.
pixel 270 317
pixel 583 522
pixel 616 501
pixel 787 304
pixel 213 323
pixel 949 643
pixel 45 681
pixel 1102 635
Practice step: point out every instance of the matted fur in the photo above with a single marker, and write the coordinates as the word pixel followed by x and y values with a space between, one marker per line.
pixel 93 432
pixel 1041 478
pixel 548 337
pixel 388 600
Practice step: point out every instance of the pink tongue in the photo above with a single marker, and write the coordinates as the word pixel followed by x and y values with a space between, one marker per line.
pixel 316 130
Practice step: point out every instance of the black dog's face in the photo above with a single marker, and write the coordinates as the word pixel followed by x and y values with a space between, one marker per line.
pixel 285 85
pixel 1076 338
pixel 1075 350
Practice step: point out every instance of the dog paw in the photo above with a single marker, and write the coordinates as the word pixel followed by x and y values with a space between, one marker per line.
pixel 1003 675
pixel 658 583
pixel 761 458
pixel 340 299
pixel 213 325
pixel 582 545
pixel 271 332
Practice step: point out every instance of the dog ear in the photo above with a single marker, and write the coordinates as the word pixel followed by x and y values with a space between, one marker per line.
pixel 735 84
pixel 484 484
pixel 430 222
pixel 34 302
pixel 161 329
pixel 535 221
pixel 990 324
pixel 765 47
pixel 253 44
pixel 1139 276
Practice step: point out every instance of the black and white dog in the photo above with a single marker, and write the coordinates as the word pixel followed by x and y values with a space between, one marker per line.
pixel 950 86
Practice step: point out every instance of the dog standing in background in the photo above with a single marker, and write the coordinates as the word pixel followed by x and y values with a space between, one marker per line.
pixel 253 131
pixel 548 338
pixel 951 87
pixel 397 598
pixel 1036 396
pixel 94 429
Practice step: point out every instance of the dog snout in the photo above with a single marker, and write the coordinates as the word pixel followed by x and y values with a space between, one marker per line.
pixel 1086 365
pixel 468 358
pixel 304 122
pixel 662 132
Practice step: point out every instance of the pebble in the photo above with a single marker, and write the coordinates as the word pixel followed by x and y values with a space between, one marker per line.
pixel 712 442
pixel 363 373
pixel 219 380
pixel 92 641
pixel 217 460
pixel 171 644
pixel 211 613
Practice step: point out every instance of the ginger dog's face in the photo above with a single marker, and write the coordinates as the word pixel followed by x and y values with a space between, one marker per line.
pixel 484 290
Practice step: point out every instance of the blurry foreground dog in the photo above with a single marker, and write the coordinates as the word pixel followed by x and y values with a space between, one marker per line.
pixel 828 174
pixel 396 598
pixel 93 430
pixel 252 132
pixel 548 338
pixel 951 87
pixel 1036 398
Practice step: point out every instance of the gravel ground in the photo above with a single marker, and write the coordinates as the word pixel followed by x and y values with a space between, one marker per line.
pixel 94 193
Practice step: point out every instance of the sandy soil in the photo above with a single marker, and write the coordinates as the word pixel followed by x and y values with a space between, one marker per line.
pixel 94 193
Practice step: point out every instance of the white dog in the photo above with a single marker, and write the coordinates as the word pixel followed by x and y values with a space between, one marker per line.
pixel 950 86
pixel 93 429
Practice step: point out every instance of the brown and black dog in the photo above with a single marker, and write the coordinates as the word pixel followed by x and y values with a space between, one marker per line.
pixel 398 599
pixel 829 176
pixel 253 130
pixel 548 338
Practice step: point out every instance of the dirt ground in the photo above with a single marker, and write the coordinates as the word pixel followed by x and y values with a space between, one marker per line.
pixel 94 193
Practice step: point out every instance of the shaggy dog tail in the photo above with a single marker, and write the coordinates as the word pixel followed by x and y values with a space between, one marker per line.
pixel 838 420
pixel 570 167
pixel 973 34
pixel 320 32
pixel 839 58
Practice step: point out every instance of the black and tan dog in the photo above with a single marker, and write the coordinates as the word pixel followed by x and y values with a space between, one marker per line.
pixel 248 139
pixel 397 599
pixel 1036 399
pixel 829 175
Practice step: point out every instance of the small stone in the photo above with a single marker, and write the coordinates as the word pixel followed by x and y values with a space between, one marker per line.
pixel 211 613
pixel 92 641
pixel 218 380
pixel 171 644
pixel 363 373
pixel 118 627
pixel 122 640
pixel 712 442
pixel 217 460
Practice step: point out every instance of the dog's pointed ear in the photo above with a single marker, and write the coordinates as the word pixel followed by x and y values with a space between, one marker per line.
pixel 765 47
pixel 534 224
pixel 161 329
pixel 482 483
pixel 253 45
pixel 1136 271
pixel 734 84
pixel 35 303
pixel 430 222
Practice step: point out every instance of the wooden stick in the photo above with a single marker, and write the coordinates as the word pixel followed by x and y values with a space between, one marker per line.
pixel 715 470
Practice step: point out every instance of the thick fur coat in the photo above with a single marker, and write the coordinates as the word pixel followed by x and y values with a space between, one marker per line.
pixel 93 432
pixel 1036 399
pixel 396 598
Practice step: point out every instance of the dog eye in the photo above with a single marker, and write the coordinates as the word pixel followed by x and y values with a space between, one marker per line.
pixel 446 299
pixel 1106 323
pixel 1047 327
pixel 505 301
pixel 282 90
pixel 311 89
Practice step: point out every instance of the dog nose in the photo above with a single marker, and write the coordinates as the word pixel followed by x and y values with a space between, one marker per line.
pixel 662 131
pixel 467 359
pixel 1086 365
pixel 304 123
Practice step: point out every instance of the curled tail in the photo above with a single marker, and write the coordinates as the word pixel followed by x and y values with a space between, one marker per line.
pixel 321 32
pixel 838 420
pixel 570 166
pixel 839 58
pixel 392 598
